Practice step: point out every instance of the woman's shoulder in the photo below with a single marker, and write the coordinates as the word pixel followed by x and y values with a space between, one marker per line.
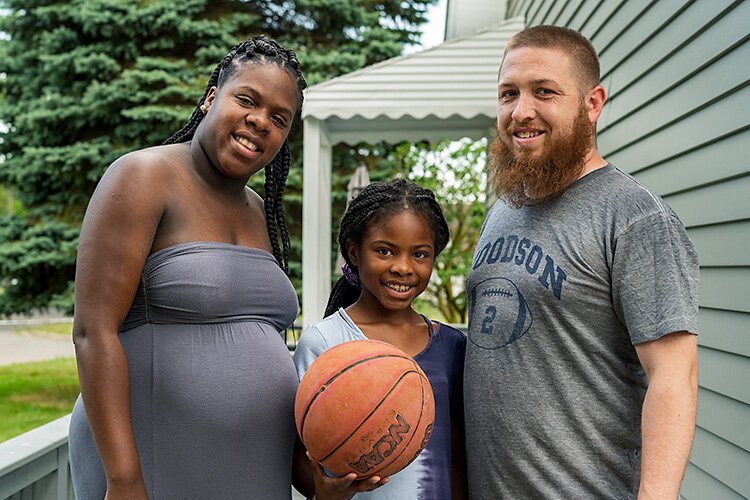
pixel 140 177
pixel 151 162
pixel 146 174
pixel 255 198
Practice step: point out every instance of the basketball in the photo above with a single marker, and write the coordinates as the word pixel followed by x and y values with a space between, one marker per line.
pixel 364 406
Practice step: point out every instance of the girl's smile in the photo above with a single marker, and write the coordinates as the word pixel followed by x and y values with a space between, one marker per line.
pixel 398 288
pixel 394 260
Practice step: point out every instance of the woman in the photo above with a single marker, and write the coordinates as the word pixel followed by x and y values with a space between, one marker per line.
pixel 187 388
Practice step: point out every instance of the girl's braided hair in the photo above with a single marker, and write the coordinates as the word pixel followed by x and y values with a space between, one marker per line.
pixel 374 203
pixel 259 49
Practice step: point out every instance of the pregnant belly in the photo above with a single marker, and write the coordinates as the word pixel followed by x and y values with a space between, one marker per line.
pixel 223 377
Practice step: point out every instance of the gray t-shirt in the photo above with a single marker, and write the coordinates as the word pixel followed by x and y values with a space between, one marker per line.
pixel 558 295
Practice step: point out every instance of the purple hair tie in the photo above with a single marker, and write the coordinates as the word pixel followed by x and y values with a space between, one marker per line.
pixel 351 276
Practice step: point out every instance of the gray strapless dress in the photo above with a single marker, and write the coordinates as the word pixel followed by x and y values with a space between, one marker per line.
pixel 212 383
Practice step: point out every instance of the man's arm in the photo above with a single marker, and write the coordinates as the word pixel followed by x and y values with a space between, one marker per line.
pixel 668 418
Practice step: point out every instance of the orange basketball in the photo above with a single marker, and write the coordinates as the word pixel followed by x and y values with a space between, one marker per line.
pixel 364 406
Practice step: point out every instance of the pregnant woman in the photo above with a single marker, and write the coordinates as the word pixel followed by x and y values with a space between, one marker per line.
pixel 187 388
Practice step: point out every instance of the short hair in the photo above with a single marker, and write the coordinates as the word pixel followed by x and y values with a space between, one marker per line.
pixel 578 47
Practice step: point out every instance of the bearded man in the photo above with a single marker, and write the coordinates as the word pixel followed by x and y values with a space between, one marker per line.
pixel 581 370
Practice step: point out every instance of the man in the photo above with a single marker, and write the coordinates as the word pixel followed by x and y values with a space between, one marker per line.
pixel 581 371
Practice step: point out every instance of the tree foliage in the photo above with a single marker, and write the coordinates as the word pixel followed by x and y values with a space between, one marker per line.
pixel 455 171
pixel 84 81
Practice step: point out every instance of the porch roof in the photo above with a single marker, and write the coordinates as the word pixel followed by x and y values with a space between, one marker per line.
pixel 445 92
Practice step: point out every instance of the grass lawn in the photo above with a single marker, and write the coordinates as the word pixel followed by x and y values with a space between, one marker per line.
pixel 32 394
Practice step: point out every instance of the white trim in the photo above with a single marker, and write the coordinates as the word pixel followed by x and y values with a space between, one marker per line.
pixel 316 220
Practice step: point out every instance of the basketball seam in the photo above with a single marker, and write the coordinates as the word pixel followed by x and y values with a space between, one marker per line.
pixel 334 377
pixel 359 426
pixel 413 434
pixel 416 426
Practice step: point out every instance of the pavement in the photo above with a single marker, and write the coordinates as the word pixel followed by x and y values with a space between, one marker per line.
pixel 18 346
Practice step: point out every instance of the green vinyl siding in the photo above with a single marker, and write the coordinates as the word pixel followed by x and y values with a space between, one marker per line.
pixel 730 469
pixel 732 252
pixel 728 419
pixel 725 331
pixel 703 486
pixel 725 373
pixel 678 119
pixel 726 288
pixel 582 14
pixel 717 161
pixel 713 204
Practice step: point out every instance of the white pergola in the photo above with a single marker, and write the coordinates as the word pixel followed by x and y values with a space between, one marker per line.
pixel 446 92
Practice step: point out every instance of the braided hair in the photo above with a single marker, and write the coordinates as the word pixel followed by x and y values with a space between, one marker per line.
pixel 374 203
pixel 259 49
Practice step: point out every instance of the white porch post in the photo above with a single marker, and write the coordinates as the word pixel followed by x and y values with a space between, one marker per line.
pixel 316 220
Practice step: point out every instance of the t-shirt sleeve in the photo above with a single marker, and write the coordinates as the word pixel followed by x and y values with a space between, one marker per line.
pixel 655 278
pixel 311 344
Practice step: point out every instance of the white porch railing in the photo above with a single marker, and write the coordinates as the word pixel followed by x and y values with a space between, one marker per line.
pixel 34 465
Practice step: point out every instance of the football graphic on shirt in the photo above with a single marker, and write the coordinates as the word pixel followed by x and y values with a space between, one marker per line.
pixel 499 314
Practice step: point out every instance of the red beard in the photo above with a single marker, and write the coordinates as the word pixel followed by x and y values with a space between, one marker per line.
pixel 519 178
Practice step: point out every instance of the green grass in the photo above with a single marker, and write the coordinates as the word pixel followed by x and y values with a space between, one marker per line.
pixel 32 394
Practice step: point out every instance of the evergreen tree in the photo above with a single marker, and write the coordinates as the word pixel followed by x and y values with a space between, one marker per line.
pixel 85 81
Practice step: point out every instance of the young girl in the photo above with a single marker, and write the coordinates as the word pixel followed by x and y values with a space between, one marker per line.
pixel 389 237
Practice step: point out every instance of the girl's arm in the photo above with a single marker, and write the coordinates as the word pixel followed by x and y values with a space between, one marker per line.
pixel 116 237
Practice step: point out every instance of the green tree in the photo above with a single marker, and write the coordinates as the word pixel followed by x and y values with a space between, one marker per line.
pixel 85 81
pixel 455 171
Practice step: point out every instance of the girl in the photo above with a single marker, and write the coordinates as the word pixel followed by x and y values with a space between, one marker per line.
pixel 389 237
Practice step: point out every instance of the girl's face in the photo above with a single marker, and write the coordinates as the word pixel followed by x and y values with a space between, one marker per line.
pixel 248 118
pixel 395 259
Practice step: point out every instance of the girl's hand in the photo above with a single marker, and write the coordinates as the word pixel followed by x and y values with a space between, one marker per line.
pixel 341 488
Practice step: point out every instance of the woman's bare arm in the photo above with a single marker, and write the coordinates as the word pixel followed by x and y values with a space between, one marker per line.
pixel 116 238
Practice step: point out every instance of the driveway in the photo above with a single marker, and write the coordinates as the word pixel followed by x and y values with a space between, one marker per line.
pixel 20 347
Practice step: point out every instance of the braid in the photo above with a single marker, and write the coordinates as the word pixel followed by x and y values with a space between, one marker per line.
pixel 343 294
pixel 373 203
pixel 258 49
pixel 262 50
pixel 186 133
pixel 276 175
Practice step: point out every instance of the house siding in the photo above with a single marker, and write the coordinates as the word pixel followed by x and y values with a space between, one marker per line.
pixel 678 120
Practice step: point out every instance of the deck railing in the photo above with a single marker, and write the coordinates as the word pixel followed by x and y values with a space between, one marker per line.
pixel 34 465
